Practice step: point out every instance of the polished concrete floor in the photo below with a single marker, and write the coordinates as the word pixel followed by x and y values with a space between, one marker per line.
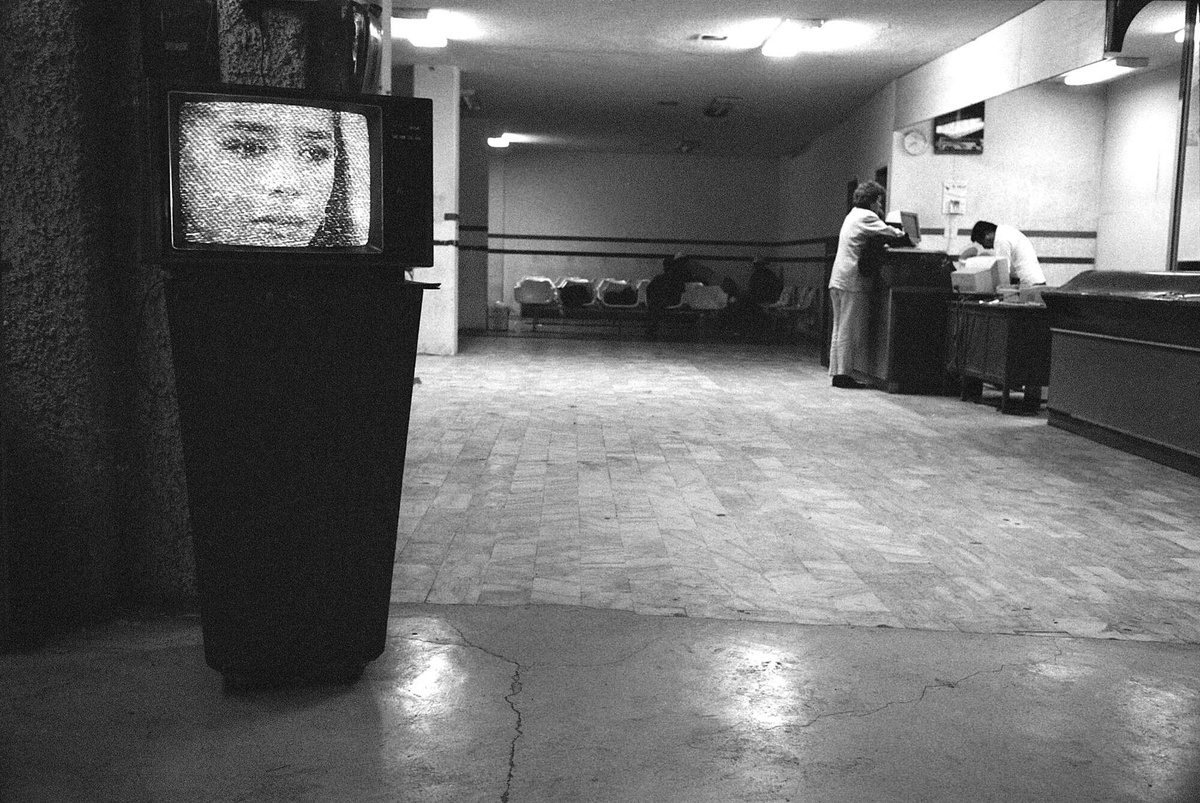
pixel 677 572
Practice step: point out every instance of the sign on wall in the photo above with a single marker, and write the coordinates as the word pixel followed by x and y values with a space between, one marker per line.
pixel 959 132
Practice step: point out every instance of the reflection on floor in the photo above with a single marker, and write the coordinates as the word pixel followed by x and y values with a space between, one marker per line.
pixel 558 704
pixel 669 572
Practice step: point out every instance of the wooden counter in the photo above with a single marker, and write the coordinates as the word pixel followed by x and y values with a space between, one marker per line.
pixel 1003 344
pixel 907 328
pixel 1125 362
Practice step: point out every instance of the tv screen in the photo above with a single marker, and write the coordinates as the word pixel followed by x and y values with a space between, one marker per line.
pixel 256 174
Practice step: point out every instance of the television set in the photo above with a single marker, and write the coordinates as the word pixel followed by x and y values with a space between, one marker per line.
pixel 258 176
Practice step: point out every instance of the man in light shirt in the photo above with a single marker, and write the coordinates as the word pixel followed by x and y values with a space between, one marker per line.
pixel 1006 241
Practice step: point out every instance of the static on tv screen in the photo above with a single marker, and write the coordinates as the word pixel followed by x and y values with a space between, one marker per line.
pixel 251 173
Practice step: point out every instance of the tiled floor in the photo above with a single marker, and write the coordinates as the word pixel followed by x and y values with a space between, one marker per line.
pixel 732 482
pixel 710 486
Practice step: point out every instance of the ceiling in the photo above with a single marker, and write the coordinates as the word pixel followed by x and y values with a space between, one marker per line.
pixel 635 76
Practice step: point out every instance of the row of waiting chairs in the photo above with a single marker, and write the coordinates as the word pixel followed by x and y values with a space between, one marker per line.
pixel 574 292
pixel 539 297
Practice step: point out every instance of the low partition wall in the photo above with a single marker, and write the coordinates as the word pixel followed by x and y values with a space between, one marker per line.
pixel 513 256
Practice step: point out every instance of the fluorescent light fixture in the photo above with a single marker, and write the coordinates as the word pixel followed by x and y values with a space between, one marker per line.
pixel 1104 70
pixel 751 34
pixel 840 34
pixel 435 28
pixel 790 37
pixel 814 36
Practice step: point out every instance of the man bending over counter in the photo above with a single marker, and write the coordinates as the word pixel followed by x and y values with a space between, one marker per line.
pixel 1009 243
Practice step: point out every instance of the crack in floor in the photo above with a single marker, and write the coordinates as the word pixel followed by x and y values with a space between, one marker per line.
pixel 940 684
pixel 512 746
pixel 516 687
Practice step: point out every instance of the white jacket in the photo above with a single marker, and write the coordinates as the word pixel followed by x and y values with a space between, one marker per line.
pixel 859 225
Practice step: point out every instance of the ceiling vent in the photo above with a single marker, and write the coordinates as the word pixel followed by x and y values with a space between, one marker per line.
pixel 719 107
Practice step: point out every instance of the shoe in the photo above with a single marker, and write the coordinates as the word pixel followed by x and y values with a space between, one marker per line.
pixel 846 381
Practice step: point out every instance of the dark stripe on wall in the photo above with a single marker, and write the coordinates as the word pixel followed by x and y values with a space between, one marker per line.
pixel 1054 233
pixel 1059 233
pixel 758 244
pixel 631 240
pixel 1049 233
pixel 639 255
pixel 713 258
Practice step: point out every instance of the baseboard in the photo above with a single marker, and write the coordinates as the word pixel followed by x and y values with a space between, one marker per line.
pixel 1159 453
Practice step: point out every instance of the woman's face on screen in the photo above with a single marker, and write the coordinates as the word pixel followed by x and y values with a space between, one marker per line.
pixel 255 173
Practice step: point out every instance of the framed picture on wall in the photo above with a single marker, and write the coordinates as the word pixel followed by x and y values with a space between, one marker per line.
pixel 959 132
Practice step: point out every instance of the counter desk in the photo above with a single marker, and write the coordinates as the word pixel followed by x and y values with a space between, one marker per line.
pixel 1125 362
pixel 907 330
pixel 1001 343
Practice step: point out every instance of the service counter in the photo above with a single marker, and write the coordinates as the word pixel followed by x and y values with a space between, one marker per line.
pixel 1125 362
pixel 907 329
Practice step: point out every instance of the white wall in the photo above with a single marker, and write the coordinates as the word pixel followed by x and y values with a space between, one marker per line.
pixel 1139 164
pixel 1055 158
pixel 1039 171
pixel 630 210
pixel 439 313
pixel 1045 41
pixel 813 189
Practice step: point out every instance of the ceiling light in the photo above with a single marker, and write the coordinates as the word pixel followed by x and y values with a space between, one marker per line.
pixel 1180 35
pixel 432 27
pixel 749 35
pixel 790 37
pixel 1103 70
pixel 814 36
pixel 497 142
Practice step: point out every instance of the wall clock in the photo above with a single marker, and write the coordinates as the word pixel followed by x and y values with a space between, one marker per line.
pixel 915 142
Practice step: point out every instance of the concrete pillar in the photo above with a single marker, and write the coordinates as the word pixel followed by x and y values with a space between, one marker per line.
pixel 439 314
pixel 473 296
